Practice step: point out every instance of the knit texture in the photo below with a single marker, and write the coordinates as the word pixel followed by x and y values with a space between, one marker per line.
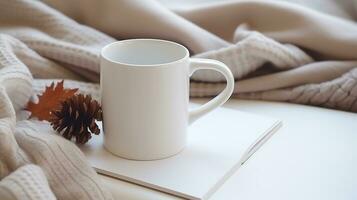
pixel 27 182
pixel 61 170
pixel 282 52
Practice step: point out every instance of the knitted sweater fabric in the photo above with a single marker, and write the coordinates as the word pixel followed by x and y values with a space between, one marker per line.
pixel 285 53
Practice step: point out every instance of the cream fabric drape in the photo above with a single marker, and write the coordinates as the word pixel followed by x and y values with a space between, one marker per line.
pixel 276 50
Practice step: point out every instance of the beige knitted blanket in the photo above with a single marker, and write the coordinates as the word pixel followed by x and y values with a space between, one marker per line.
pixel 276 50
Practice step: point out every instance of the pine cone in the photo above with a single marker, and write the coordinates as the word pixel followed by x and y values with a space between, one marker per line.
pixel 76 118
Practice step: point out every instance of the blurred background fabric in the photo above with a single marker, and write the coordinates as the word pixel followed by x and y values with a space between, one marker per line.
pixel 292 50
pixel 340 8
pixel 295 51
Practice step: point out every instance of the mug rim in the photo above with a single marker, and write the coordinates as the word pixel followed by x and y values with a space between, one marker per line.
pixel 144 65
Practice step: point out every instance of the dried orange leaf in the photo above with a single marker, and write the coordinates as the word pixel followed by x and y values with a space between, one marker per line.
pixel 49 100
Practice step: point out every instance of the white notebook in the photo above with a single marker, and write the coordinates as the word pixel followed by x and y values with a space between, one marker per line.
pixel 219 143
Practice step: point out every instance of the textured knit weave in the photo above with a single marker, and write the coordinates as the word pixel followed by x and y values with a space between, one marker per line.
pixel 24 142
pixel 27 182
pixel 61 171
pixel 282 52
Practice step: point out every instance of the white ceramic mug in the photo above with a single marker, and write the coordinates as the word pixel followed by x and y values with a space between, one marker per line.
pixel 145 97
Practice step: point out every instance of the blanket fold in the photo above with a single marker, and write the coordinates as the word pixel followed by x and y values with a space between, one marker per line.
pixel 277 50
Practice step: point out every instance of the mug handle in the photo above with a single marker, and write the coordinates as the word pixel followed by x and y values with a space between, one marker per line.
pixel 199 63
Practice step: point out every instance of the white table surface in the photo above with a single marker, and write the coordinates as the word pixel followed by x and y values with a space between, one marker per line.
pixel 313 156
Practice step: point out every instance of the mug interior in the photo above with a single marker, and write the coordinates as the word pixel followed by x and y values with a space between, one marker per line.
pixel 144 52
